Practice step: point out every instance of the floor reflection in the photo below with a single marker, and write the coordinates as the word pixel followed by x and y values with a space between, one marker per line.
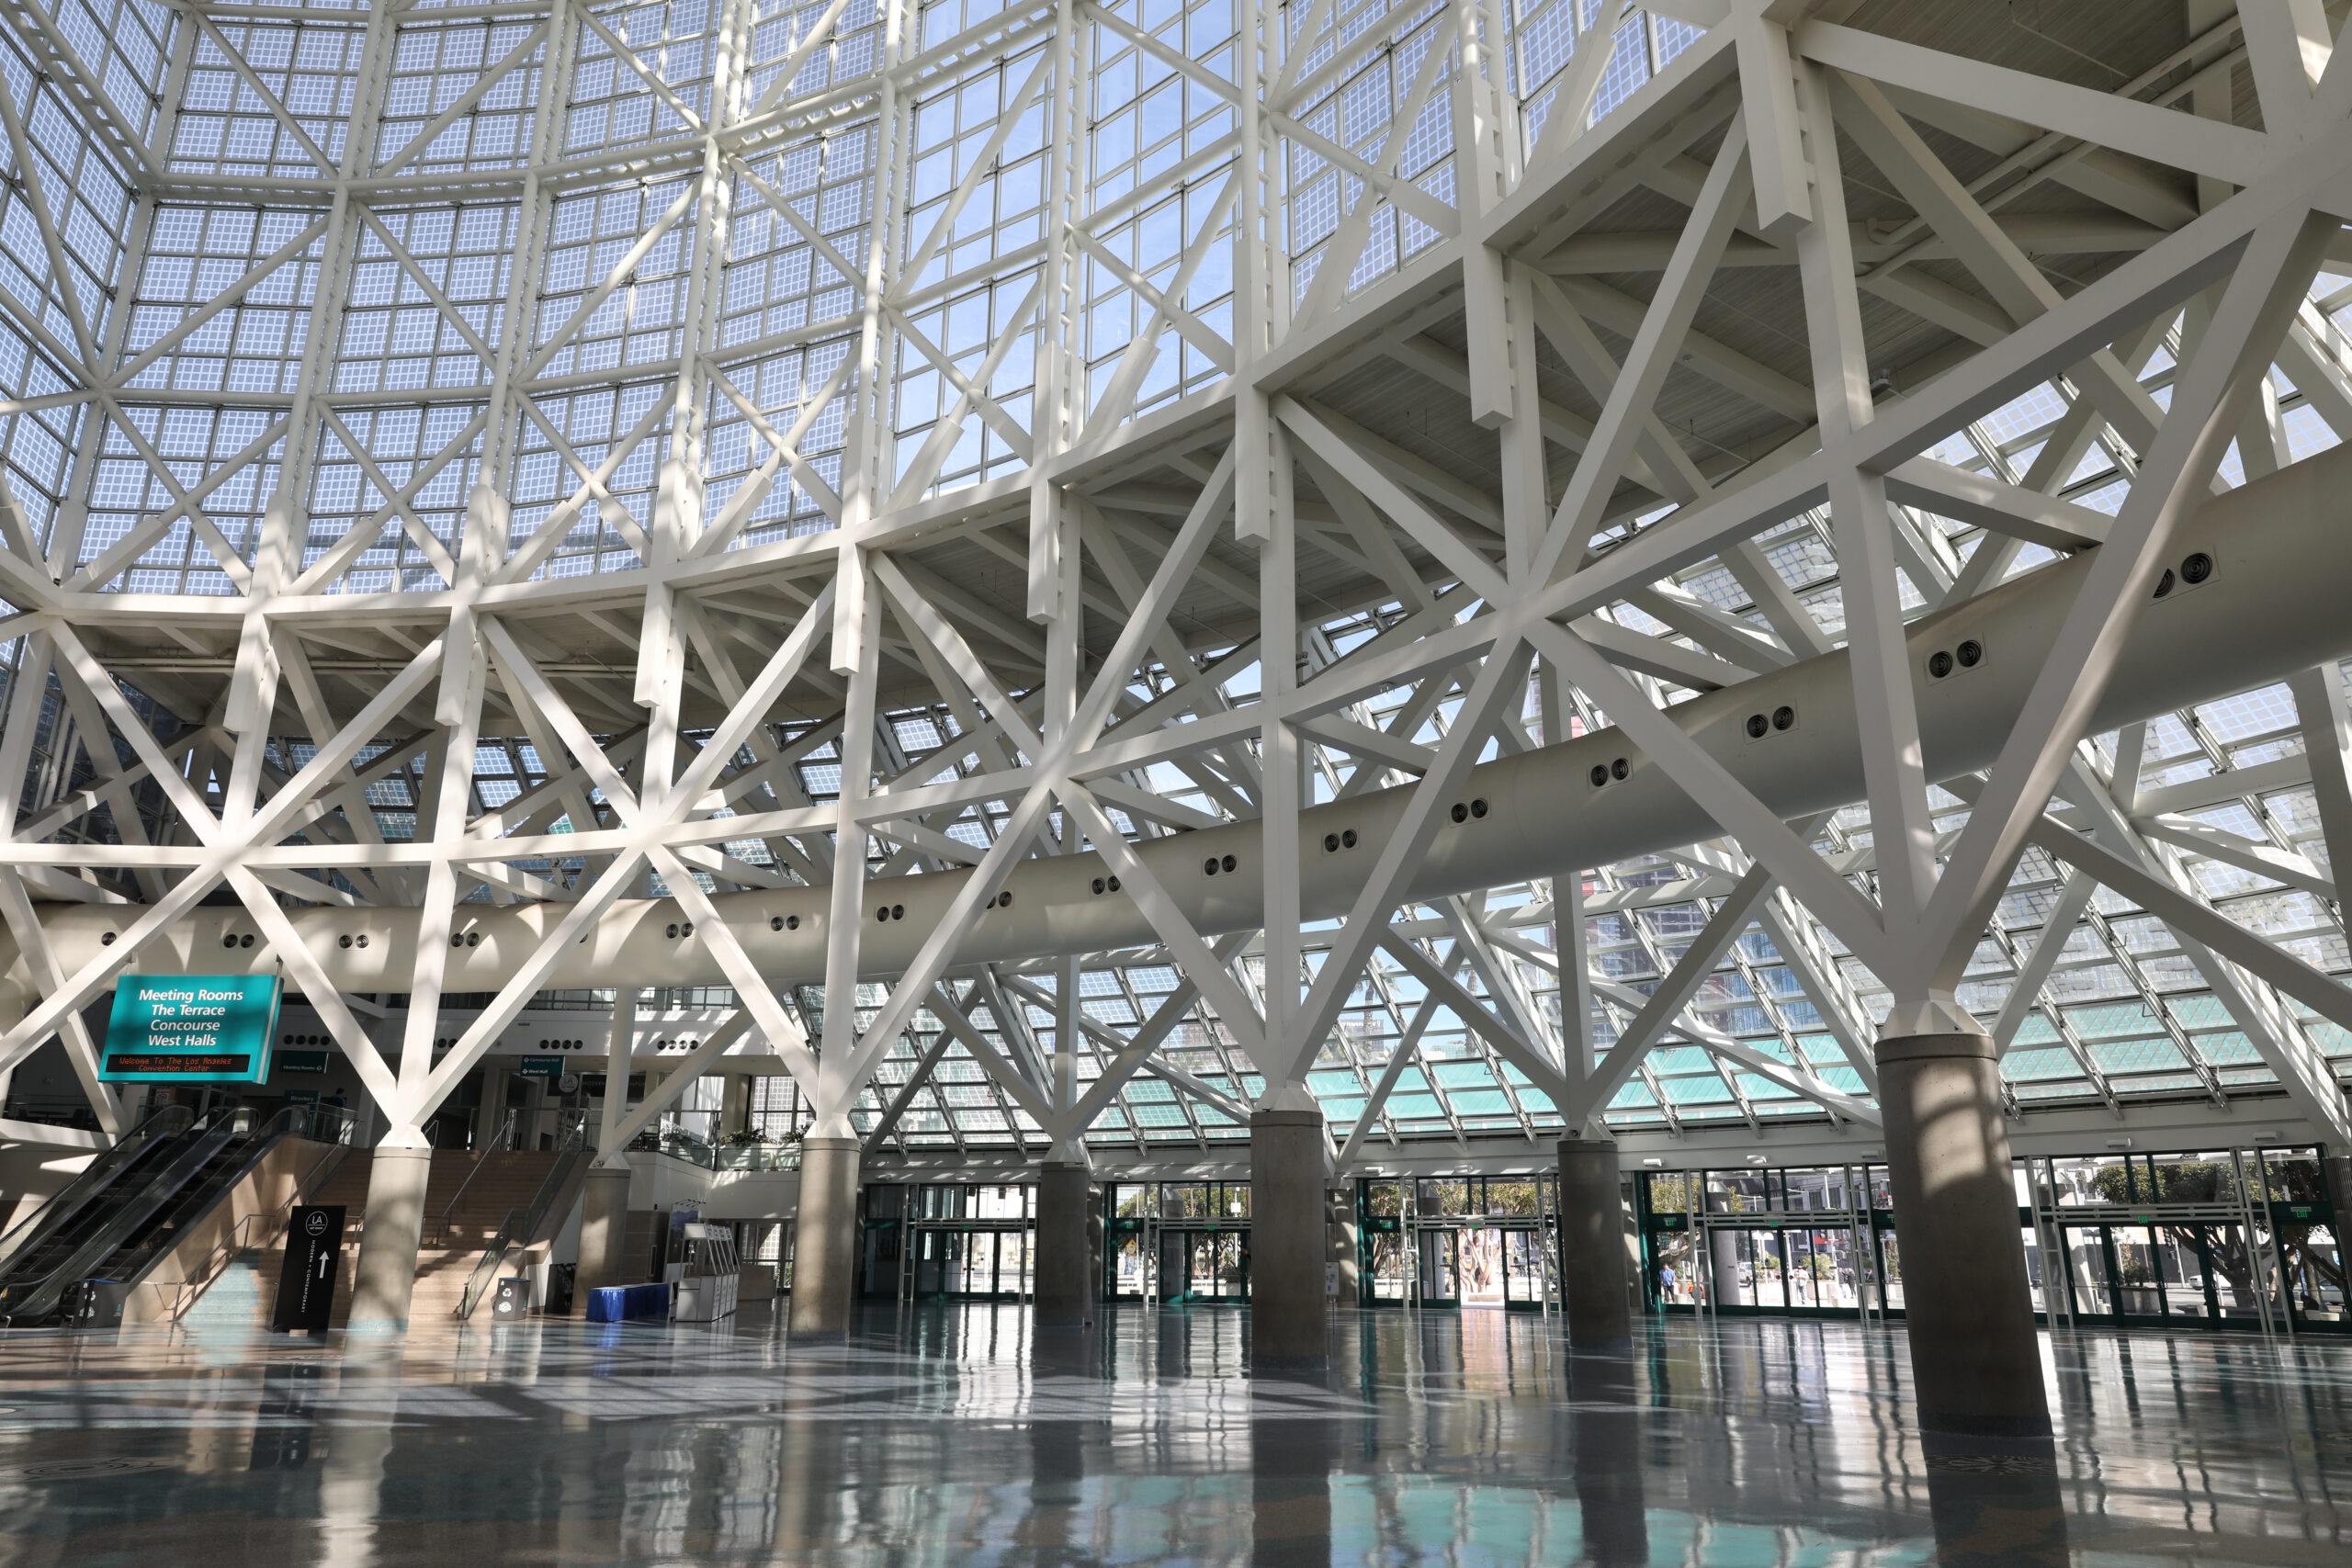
pixel 1605 1445
pixel 953 1435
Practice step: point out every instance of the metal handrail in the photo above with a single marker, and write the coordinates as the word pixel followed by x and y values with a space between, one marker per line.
pixel 189 1290
pixel 522 1223
pixel 441 1220
pixel 221 1125
pixel 169 1122
pixel 39 1298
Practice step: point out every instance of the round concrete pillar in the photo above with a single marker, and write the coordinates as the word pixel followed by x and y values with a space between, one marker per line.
pixel 1723 1253
pixel 734 1103
pixel 391 1230
pixel 824 1241
pixel 1341 1224
pixel 604 1231
pixel 1095 1266
pixel 1288 1317
pixel 1065 1293
pixel 2335 1170
pixel 1975 1356
pixel 1596 1284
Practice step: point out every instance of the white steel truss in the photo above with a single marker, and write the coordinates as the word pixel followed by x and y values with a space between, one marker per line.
pixel 591 460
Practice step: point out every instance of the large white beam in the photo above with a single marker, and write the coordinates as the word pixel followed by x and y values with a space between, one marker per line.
pixel 2271 608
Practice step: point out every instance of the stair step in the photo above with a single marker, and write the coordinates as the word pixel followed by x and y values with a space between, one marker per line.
pixel 506 1181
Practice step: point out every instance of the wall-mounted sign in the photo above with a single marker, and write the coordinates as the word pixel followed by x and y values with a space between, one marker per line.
pixel 301 1061
pixel 541 1067
pixel 191 1029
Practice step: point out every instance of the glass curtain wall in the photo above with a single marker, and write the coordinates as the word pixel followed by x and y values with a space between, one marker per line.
pixel 951 1241
pixel 1471 1241
pixel 2214 1239
pixel 1176 1243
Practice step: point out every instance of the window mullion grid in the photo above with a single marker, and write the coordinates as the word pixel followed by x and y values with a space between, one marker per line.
pixel 2059 1023
pixel 869 457
pixel 2129 963
pixel 535 219
pixel 338 253
pixel 1378 977
pixel 73 515
pixel 1744 967
pixel 1723 1070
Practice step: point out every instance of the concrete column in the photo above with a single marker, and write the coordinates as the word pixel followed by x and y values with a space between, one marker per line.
pixel 1596 1283
pixel 1341 1224
pixel 490 1111
pixel 1975 1356
pixel 734 1104
pixel 1065 1292
pixel 2335 1170
pixel 604 1231
pixel 825 1249
pixel 1288 1319
pixel 1726 1282
pixel 389 1239
pixel 1095 1263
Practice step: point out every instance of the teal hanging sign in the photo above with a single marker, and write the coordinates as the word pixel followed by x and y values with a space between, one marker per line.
pixel 191 1029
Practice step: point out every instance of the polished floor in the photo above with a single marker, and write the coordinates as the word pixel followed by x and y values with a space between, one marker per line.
pixel 942 1434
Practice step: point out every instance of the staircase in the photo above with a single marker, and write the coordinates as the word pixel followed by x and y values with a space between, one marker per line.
pixel 450 1251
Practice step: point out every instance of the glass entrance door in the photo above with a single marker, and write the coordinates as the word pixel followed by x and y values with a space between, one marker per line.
pixel 1128 1261
pixel 1674 1278
pixel 2180 1274
pixel 2314 1261
pixel 1385 1267
pixel 1203 1266
pixel 953 1262
pixel 883 1242
pixel 1821 1270
pixel 939 1256
pixel 1750 1272
pixel 1478 1267
pixel 1440 1282
pixel 1523 1268
pixel 1481 1266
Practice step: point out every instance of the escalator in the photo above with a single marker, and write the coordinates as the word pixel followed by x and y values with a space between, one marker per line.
pixel 132 1206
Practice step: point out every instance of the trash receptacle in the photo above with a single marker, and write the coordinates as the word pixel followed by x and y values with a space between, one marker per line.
pixel 561 1280
pixel 514 1298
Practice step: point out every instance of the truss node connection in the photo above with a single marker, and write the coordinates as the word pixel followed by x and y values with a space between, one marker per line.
pixel 1494 565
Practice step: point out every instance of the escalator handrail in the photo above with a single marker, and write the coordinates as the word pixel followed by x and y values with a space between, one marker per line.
pixel 259 1230
pixel 110 1163
pixel 251 1149
pixel 44 1296
pixel 522 1224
